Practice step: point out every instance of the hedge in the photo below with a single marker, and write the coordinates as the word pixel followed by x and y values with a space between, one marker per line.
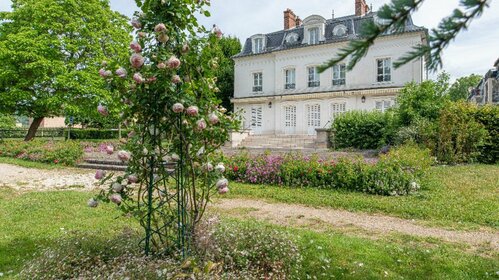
pixel 46 151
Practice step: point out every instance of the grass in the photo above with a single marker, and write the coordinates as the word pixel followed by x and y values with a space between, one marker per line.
pixel 30 164
pixel 32 221
pixel 465 197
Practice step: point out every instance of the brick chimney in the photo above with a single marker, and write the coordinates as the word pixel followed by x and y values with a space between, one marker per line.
pixel 361 8
pixel 289 19
pixel 299 22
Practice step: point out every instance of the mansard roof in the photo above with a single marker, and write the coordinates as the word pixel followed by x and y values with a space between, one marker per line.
pixel 276 41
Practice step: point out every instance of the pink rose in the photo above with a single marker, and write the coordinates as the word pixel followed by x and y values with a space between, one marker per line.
pixel 217 31
pixel 136 23
pixel 201 124
pixel 160 27
pixel 124 156
pixel 121 72
pixel 135 47
pixel 178 108
pixel 99 174
pixel 192 111
pixel 137 77
pixel 223 190
pixel 105 73
pixel 109 150
pixel 176 79
pixel 115 198
pixel 136 60
pixel 213 118
pixel 161 65
pixel 102 110
pixel 151 80
pixel 163 38
pixel 132 179
pixel 173 62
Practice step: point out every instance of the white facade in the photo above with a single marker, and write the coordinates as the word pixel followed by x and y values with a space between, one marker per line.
pixel 270 104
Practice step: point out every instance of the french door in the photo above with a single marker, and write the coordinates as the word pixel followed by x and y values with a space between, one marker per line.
pixel 256 119
pixel 313 118
pixel 289 119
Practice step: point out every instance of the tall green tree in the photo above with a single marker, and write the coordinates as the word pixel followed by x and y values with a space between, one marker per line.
pixel 226 49
pixel 51 52
pixel 460 88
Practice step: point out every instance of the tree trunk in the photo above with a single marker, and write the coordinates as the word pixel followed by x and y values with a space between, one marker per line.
pixel 33 128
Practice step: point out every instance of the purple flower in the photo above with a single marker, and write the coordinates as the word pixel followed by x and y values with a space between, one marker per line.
pixel 99 174
pixel 109 149
pixel 105 73
pixel 121 72
pixel 137 77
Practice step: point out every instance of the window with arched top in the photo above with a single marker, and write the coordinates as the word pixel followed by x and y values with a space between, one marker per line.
pixel 292 38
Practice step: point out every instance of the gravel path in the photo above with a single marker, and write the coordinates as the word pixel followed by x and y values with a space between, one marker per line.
pixel 32 179
pixel 292 215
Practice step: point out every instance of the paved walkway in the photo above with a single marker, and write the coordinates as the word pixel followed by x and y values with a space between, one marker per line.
pixel 298 215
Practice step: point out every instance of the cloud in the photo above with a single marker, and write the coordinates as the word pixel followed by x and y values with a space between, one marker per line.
pixel 473 51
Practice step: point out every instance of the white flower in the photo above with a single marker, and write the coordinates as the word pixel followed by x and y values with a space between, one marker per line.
pixel 222 183
pixel 117 187
pixel 208 167
pixel 223 190
pixel 213 118
pixel 220 168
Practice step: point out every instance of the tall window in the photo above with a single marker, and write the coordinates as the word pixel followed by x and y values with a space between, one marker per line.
pixel 290 76
pixel 313 35
pixel 257 82
pixel 383 105
pixel 339 74
pixel 258 45
pixel 313 77
pixel 384 69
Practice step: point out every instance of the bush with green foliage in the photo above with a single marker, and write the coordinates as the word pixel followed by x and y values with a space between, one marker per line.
pixel 363 130
pixel 93 133
pixel 398 173
pixel 54 152
pixel 7 121
pixel 488 116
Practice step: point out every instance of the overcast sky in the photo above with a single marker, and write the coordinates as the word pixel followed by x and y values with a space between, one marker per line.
pixel 474 51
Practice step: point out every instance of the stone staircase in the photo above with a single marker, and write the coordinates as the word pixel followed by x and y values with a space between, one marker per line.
pixel 279 142
pixel 101 164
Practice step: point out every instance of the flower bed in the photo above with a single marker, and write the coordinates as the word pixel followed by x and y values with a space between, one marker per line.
pixel 397 173
pixel 55 152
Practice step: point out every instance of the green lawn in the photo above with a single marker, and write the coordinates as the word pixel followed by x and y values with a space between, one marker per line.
pixel 452 196
pixel 31 221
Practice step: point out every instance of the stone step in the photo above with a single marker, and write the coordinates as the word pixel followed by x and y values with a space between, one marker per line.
pixel 105 162
pixel 95 166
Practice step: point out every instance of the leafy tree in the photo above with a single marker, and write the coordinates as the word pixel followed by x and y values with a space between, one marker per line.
pixel 422 101
pixel 7 121
pixel 226 49
pixel 51 51
pixel 394 16
pixel 460 89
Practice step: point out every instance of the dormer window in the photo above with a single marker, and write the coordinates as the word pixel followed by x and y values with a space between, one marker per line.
pixel 292 38
pixel 258 45
pixel 313 36
pixel 340 30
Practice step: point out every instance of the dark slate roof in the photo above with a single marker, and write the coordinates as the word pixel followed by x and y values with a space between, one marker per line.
pixel 275 41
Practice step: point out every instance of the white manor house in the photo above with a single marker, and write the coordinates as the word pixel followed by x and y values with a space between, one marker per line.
pixel 278 87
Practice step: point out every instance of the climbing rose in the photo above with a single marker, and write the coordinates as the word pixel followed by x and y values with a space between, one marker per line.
pixel 223 190
pixel 151 80
pixel 92 203
pixel 173 62
pixel 136 23
pixel 117 187
pixel 192 111
pixel 132 179
pixel 121 72
pixel 176 79
pixel 115 198
pixel 222 183
pixel 136 60
pixel 109 150
pixel 178 108
pixel 160 27
pixel 213 118
pixel 185 48
pixel 124 156
pixel 163 38
pixel 137 77
pixel 201 124
pixel 217 31
pixel 105 73
pixel 99 174
pixel 135 47
pixel 102 110
pixel 220 168
pixel 208 167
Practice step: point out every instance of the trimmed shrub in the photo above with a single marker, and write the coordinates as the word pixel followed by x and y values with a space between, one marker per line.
pixel 94 133
pixel 56 152
pixel 460 137
pixel 397 173
pixel 363 130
